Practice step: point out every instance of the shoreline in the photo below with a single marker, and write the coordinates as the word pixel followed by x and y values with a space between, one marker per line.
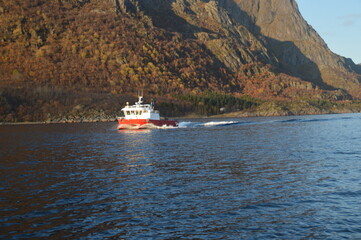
pixel 57 122
pixel 239 114
pixel 242 114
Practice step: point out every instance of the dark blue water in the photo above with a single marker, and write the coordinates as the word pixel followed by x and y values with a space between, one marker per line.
pixel 253 178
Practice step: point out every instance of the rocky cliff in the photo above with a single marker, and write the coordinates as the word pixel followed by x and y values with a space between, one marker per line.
pixel 269 31
pixel 298 46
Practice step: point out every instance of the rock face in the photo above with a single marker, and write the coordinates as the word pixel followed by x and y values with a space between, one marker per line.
pixel 297 45
pixel 268 31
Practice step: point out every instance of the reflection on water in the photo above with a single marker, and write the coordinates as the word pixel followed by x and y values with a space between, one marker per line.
pixel 261 178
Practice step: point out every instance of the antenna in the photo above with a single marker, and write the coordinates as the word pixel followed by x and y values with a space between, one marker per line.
pixel 140 96
pixel 140 93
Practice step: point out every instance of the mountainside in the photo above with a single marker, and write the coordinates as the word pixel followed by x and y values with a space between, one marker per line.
pixel 299 48
pixel 269 31
pixel 62 54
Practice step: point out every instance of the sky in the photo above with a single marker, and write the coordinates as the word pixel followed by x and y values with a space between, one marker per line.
pixel 338 22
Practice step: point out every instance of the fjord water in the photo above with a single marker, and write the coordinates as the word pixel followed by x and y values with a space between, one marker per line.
pixel 254 178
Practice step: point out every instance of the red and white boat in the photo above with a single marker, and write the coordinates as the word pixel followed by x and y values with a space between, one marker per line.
pixel 141 116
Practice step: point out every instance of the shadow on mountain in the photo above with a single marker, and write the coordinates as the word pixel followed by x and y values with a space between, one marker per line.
pixel 356 68
pixel 293 62
pixel 290 58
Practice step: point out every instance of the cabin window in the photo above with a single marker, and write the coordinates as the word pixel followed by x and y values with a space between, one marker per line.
pixel 128 113
pixel 132 112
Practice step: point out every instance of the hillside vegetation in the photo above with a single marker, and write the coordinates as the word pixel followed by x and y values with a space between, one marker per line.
pixel 75 60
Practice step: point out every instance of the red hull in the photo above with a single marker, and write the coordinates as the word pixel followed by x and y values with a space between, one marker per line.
pixel 145 123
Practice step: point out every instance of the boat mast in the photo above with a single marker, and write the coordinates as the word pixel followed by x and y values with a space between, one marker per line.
pixel 140 96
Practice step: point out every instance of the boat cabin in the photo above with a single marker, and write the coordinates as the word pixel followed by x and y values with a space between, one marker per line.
pixel 140 111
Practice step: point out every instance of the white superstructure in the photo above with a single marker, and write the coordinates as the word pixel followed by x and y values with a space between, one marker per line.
pixel 140 111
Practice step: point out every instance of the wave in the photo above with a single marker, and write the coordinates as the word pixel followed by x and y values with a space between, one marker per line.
pixel 307 120
pixel 209 124
pixel 221 123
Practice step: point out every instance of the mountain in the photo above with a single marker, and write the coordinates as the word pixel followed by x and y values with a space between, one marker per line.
pixel 65 57
pixel 269 31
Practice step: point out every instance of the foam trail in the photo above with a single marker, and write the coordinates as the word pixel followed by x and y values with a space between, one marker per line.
pixel 206 124
pixel 222 123
pixel 165 127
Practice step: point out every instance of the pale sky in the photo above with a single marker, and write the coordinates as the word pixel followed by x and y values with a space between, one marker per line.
pixel 338 22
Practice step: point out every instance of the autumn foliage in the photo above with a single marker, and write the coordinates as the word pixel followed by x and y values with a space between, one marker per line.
pixel 87 47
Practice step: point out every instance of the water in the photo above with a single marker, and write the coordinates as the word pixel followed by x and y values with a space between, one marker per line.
pixel 254 178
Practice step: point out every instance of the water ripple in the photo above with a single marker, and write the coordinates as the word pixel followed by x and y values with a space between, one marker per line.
pixel 261 178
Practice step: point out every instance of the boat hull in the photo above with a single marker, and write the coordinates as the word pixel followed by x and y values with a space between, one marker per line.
pixel 145 123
